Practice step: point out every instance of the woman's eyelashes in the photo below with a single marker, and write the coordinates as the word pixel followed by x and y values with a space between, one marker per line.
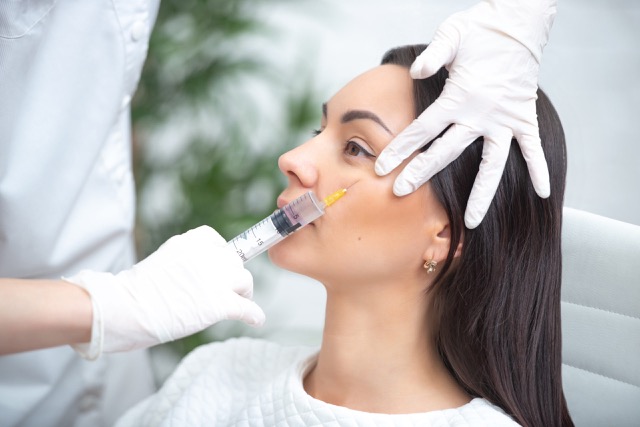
pixel 351 148
pixel 354 149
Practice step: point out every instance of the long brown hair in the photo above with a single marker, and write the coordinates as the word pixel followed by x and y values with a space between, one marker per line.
pixel 499 308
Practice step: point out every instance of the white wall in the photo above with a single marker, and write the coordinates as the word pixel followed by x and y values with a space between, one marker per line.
pixel 591 70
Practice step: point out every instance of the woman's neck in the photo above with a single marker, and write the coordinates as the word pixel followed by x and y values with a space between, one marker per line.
pixel 377 355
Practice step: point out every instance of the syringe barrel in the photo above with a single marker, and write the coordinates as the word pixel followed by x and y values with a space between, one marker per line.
pixel 273 229
pixel 303 210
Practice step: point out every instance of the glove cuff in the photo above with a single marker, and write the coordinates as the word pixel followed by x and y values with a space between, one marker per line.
pixel 92 349
pixel 117 323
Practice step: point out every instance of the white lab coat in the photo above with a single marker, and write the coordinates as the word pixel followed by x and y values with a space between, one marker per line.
pixel 68 70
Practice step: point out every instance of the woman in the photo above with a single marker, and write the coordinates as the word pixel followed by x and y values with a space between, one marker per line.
pixel 427 323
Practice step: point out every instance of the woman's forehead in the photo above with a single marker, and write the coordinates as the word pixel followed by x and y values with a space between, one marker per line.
pixel 387 90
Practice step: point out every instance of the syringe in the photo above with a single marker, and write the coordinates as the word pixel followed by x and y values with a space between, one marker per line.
pixel 274 228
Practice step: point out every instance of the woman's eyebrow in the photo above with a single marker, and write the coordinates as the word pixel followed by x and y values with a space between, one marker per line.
pixel 357 115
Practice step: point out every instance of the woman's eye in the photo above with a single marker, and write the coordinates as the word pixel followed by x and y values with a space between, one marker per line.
pixel 354 149
pixel 316 132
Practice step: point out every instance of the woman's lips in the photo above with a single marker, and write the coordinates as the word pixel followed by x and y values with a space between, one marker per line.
pixel 281 202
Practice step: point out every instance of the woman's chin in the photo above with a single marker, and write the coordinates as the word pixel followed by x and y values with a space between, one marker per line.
pixel 288 259
pixel 282 257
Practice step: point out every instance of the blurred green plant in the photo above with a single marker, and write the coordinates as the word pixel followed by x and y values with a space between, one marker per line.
pixel 206 147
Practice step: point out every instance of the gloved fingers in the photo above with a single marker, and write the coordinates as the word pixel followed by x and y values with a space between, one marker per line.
pixel 422 130
pixel 242 283
pixel 245 310
pixel 442 152
pixel 206 234
pixel 439 53
pixel 495 152
pixel 192 244
pixel 232 273
pixel 533 154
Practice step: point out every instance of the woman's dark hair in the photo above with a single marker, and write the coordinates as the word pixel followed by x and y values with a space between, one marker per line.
pixel 498 309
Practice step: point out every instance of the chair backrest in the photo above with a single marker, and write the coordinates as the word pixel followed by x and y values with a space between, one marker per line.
pixel 601 319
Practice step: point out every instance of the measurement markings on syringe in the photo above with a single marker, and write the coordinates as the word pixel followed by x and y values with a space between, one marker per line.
pixel 284 221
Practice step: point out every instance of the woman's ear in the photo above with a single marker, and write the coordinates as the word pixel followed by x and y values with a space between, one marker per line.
pixel 445 233
pixel 440 243
pixel 437 230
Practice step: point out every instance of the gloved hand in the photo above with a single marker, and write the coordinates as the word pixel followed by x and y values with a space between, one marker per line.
pixel 191 282
pixel 492 52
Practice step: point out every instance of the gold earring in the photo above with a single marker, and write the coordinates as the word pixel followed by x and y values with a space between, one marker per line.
pixel 430 266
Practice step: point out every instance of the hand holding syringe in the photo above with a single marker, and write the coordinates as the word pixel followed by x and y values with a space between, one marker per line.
pixel 273 229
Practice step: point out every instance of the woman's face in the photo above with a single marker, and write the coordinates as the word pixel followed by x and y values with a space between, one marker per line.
pixel 369 235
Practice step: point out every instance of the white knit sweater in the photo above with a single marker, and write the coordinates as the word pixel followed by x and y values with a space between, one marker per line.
pixel 249 382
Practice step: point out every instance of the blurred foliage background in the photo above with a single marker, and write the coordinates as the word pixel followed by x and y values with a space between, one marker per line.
pixel 211 115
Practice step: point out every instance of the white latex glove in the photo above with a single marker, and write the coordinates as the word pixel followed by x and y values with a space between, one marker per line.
pixel 191 282
pixel 492 52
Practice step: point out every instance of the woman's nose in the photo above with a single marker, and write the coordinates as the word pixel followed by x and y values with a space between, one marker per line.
pixel 300 165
